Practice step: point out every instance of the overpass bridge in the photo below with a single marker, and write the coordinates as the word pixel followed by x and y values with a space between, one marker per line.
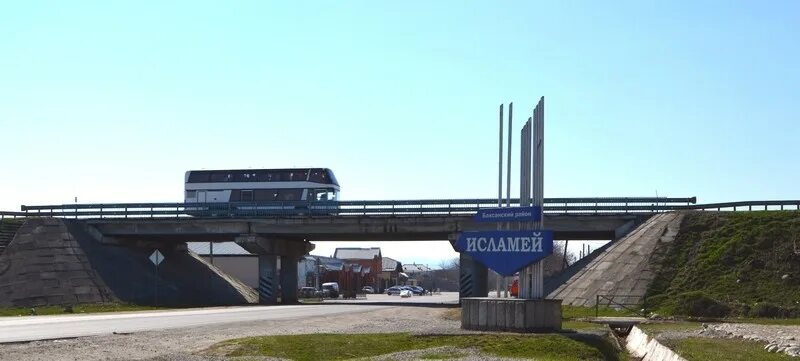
pixel 281 232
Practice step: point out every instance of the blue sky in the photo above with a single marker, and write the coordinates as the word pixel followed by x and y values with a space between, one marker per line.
pixel 112 102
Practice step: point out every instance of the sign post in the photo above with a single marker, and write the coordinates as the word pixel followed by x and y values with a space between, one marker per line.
pixel 156 257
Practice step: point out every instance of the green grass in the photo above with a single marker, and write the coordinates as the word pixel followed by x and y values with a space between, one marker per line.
pixel 440 356
pixel 342 346
pixel 582 326
pixel 711 349
pixel 737 259
pixel 87 308
pixel 765 321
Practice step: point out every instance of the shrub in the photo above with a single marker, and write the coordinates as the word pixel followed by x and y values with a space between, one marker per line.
pixel 769 310
pixel 698 304
pixel 653 302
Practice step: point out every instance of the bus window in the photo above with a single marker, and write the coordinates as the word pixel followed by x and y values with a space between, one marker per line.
pixel 299 175
pixel 246 195
pixel 265 195
pixel 290 194
pixel 317 176
pixel 199 177
pixel 244 176
pixel 220 177
pixel 323 195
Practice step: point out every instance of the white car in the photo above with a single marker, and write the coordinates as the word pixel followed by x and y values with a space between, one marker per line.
pixel 406 293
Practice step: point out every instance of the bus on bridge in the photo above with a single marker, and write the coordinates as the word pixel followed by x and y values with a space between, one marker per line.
pixel 260 185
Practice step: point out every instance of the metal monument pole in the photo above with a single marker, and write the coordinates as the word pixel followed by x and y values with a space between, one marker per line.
pixel 524 194
pixel 508 177
pixel 500 163
pixel 500 180
pixel 537 269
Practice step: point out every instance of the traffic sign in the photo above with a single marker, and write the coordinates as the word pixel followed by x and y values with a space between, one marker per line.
pixel 156 257
pixel 506 252
pixel 509 214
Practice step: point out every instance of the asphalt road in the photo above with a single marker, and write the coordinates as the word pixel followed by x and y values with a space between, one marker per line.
pixel 444 298
pixel 31 328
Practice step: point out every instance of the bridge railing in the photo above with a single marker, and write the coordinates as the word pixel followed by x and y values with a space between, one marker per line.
pixel 300 209
pixel 349 208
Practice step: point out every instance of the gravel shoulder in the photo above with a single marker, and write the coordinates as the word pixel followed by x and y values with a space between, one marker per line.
pixel 777 338
pixel 184 343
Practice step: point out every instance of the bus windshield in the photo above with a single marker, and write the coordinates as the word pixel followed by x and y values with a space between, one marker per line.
pixel 323 195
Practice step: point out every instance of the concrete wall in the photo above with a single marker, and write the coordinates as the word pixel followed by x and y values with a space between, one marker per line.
pixel 45 265
pixel 57 262
pixel 623 270
pixel 510 314
pixel 243 268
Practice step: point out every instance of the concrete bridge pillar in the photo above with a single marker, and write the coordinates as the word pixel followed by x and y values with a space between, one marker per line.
pixel 267 279
pixel 473 277
pixel 288 277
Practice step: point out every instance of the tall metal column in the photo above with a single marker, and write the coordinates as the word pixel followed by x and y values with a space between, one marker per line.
pixel 537 269
pixel 500 180
pixel 525 196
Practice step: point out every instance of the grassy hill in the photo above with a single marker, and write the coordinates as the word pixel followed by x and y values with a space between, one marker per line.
pixel 726 263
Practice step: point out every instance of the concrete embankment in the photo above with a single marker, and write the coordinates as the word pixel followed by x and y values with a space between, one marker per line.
pixel 623 271
pixel 645 348
pixel 59 262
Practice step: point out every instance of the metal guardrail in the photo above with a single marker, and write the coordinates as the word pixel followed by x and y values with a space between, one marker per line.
pixel 612 301
pixel 346 208
pixel 554 206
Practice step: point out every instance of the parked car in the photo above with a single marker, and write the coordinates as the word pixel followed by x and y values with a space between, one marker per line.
pixel 332 288
pixel 419 291
pixel 307 292
pixel 394 290
pixel 367 289
pixel 406 293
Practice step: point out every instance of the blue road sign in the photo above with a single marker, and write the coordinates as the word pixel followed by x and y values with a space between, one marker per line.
pixel 520 214
pixel 506 252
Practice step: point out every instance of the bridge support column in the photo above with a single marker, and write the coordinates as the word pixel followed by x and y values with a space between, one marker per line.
pixel 289 279
pixel 267 280
pixel 473 277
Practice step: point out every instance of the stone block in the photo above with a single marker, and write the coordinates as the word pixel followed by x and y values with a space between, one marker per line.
pixel 509 314
pixel 82 290
pixel 50 283
pixel 491 315
pixel 59 300
pixel 474 311
pixel 519 315
pixel 483 315
pixel 89 298
pixel 81 282
pixel 500 315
